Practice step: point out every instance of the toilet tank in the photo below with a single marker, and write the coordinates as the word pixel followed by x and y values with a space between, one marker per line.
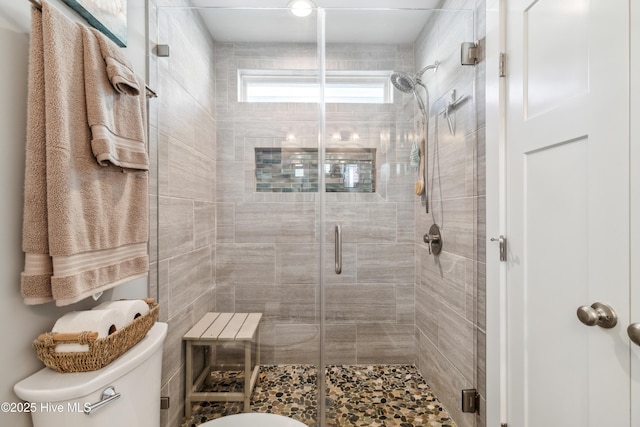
pixel 60 399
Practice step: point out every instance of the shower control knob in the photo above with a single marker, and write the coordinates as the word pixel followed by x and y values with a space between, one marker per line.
pixel 433 239
pixel 599 314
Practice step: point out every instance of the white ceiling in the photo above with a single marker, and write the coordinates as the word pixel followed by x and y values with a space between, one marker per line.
pixel 350 4
pixel 347 21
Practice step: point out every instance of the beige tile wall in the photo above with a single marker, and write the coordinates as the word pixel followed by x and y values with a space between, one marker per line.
pixel 450 288
pixel 182 136
pixel 267 255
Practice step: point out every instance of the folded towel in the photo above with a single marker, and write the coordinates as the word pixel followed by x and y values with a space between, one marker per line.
pixel 120 74
pixel 131 309
pixel 85 226
pixel 104 322
pixel 115 108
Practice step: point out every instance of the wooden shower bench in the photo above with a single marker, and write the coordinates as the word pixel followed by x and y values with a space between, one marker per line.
pixel 217 329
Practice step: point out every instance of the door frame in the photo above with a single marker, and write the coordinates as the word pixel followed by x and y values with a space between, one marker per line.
pixel 634 202
pixel 495 43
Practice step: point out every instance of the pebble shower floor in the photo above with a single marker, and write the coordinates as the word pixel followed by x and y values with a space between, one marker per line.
pixel 362 395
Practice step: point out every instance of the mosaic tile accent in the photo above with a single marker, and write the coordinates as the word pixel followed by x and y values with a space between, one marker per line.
pixel 358 396
pixel 287 170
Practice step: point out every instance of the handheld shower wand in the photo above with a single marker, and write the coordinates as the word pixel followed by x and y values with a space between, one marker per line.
pixel 407 84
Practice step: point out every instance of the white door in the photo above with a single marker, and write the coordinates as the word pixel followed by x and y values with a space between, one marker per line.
pixel 567 212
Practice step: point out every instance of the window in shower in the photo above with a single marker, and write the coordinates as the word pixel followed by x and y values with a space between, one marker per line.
pixel 352 87
pixel 290 170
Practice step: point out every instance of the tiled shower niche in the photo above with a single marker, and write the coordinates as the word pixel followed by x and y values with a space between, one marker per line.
pixel 289 170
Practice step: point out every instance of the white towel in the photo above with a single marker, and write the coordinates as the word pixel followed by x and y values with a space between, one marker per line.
pixel 103 322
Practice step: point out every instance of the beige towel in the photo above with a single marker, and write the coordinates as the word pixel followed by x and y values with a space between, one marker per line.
pixel 85 225
pixel 36 278
pixel 115 107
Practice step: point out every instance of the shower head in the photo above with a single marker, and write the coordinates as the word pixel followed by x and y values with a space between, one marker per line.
pixel 403 82
pixel 407 84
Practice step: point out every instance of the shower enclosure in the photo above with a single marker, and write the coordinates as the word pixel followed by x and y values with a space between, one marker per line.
pixel 283 185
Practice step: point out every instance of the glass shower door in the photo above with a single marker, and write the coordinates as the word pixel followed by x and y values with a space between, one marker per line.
pixel 399 321
pixel 278 137
pixel 238 201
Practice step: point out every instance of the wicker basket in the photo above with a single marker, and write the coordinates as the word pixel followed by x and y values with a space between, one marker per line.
pixel 102 351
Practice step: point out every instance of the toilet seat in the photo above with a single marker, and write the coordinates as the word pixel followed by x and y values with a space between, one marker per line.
pixel 253 419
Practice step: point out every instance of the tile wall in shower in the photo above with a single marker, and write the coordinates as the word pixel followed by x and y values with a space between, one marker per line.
pixel 182 187
pixel 267 242
pixel 450 288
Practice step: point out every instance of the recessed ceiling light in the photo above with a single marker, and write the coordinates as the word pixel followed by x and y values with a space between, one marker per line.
pixel 301 8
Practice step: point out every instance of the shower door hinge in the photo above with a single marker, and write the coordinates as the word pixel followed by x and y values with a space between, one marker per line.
pixel 470 400
pixel 469 53
pixel 502 66
pixel 164 402
pixel 162 50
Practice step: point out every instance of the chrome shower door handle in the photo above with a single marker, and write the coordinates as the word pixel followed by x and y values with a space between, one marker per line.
pixel 338 249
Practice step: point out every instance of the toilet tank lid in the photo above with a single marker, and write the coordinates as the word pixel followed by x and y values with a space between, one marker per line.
pixel 48 385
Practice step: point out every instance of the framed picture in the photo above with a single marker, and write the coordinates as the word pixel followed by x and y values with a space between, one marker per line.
pixel 108 16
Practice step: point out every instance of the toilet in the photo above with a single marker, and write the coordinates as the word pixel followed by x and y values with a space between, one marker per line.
pixel 253 419
pixel 126 392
